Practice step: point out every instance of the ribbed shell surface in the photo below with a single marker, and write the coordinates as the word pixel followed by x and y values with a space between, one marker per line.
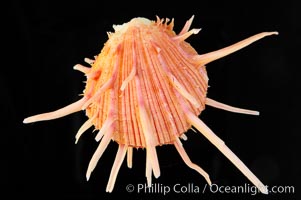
pixel 151 53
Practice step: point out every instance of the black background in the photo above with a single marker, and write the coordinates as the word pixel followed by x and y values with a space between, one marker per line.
pixel 44 40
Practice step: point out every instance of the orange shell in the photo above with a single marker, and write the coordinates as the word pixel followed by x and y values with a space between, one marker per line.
pixel 146 88
pixel 162 62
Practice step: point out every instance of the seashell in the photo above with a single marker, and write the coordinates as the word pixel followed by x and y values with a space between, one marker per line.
pixel 145 89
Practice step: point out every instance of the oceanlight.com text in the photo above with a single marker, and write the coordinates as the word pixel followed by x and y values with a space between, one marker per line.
pixel 192 188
